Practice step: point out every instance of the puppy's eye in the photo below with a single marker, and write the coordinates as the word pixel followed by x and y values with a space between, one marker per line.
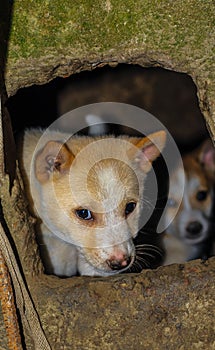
pixel 201 195
pixel 84 214
pixel 171 203
pixel 129 208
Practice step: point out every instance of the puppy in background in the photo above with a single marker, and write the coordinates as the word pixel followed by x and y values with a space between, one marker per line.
pixel 191 233
pixel 88 196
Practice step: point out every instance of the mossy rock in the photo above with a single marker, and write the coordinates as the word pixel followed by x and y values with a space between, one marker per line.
pixel 50 39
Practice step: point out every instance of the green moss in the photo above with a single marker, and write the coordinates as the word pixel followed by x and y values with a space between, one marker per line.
pixel 41 26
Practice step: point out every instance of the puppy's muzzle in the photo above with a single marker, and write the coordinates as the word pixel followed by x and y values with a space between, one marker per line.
pixel 119 262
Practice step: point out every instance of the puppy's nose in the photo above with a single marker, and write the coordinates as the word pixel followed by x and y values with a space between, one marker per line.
pixel 194 227
pixel 118 262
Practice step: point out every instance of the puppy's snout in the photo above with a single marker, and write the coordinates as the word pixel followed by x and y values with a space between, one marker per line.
pixel 194 227
pixel 118 261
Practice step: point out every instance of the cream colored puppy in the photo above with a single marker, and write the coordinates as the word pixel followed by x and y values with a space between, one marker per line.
pixel 87 193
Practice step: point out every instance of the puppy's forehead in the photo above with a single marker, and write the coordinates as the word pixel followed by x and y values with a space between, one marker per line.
pixel 108 177
pixel 194 183
pixel 110 185
pixel 195 180
pixel 195 173
pixel 112 178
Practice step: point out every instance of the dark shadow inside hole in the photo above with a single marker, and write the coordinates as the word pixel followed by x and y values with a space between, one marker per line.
pixel 169 96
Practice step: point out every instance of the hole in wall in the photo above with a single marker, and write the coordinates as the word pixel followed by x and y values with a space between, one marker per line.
pixel 169 96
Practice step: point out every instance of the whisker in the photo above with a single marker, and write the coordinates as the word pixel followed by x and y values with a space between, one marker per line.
pixel 151 255
pixel 145 262
pixel 134 267
pixel 138 264
pixel 137 267
pixel 154 204
pixel 147 254
pixel 141 259
pixel 156 250
pixel 147 203
pixel 147 247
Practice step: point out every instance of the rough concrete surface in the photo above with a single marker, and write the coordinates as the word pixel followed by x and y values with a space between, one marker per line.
pixel 172 307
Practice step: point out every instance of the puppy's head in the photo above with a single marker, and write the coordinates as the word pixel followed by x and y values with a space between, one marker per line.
pixel 91 194
pixel 191 223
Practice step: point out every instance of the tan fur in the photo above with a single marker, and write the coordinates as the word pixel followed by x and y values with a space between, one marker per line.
pixel 101 174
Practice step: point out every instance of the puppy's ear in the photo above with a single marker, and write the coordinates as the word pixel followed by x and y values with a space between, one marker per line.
pixel 207 157
pixel 55 157
pixel 149 148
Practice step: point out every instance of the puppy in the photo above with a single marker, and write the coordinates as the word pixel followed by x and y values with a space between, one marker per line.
pixel 191 233
pixel 87 193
